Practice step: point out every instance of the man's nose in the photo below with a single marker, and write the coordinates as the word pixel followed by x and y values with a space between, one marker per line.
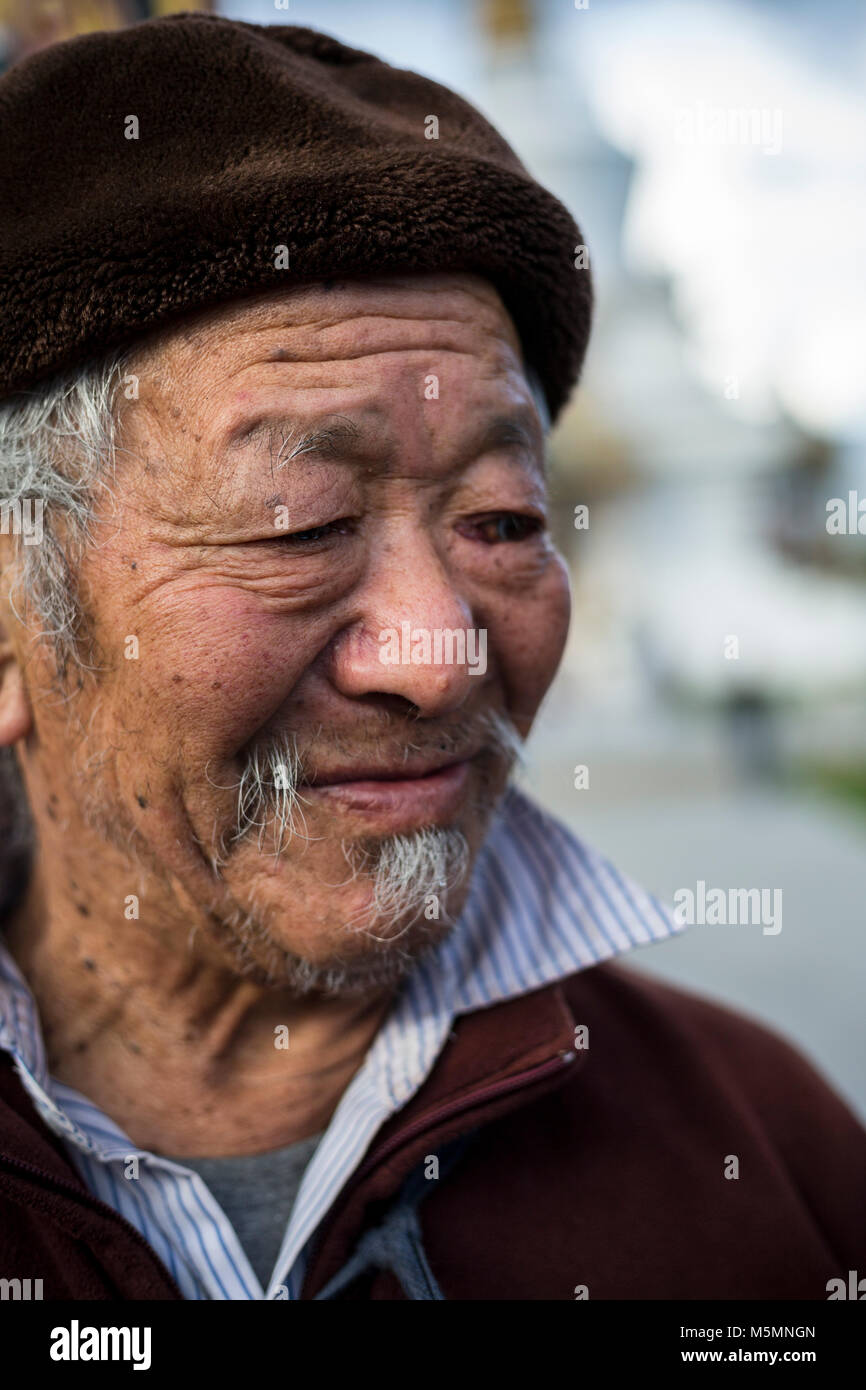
pixel 414 636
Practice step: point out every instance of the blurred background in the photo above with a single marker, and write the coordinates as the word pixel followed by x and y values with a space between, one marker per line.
pixel 714 689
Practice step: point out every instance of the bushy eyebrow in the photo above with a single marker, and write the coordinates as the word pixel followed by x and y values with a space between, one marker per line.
pixel 335 437
pixel 339 437
pixel 510 431
pixel 517 431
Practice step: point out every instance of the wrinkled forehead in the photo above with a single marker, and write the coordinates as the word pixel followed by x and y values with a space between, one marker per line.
pixel 344 320
pixel 395 348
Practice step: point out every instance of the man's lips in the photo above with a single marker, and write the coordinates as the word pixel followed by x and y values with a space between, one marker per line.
pixel 397 797
pixel 355 773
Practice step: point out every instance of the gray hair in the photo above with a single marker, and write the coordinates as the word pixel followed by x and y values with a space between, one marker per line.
pixel 56 451
pixel 57 447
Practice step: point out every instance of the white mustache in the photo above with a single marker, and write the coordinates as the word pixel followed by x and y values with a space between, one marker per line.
pixel 270 790
pixel 412 876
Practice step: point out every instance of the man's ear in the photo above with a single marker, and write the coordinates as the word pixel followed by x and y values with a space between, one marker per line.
pixel 16 715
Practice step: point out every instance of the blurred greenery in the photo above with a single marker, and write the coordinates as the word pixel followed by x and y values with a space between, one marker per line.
pixel 845 782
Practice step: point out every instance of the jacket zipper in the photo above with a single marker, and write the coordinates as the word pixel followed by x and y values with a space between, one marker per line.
pixel 523 1080
pixel 477 1098
pixel 467 1102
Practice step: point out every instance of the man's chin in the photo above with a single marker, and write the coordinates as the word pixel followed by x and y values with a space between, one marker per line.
pixel 337 961
pixel 354 918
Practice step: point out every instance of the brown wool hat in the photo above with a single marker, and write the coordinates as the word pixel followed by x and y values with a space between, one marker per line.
pixel 251 138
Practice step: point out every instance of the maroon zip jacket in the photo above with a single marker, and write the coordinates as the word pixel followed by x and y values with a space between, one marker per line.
pixel 598 1172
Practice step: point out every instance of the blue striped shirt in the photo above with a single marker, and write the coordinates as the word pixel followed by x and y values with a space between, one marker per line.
pixel 541 906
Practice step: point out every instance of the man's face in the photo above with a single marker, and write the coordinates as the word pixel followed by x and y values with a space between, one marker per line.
pixel 258 746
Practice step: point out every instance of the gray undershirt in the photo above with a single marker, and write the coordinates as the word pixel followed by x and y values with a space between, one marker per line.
pixel 257 1193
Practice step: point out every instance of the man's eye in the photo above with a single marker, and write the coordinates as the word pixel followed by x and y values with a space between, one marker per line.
pixel 506 526
pixel 343 527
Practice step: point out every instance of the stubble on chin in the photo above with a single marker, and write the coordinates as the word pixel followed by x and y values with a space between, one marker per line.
pixel 403 895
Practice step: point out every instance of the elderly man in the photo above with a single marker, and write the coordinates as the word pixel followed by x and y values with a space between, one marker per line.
pixel 298 997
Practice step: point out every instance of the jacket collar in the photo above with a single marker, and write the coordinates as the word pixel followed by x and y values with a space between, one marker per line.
pixel 495 1061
